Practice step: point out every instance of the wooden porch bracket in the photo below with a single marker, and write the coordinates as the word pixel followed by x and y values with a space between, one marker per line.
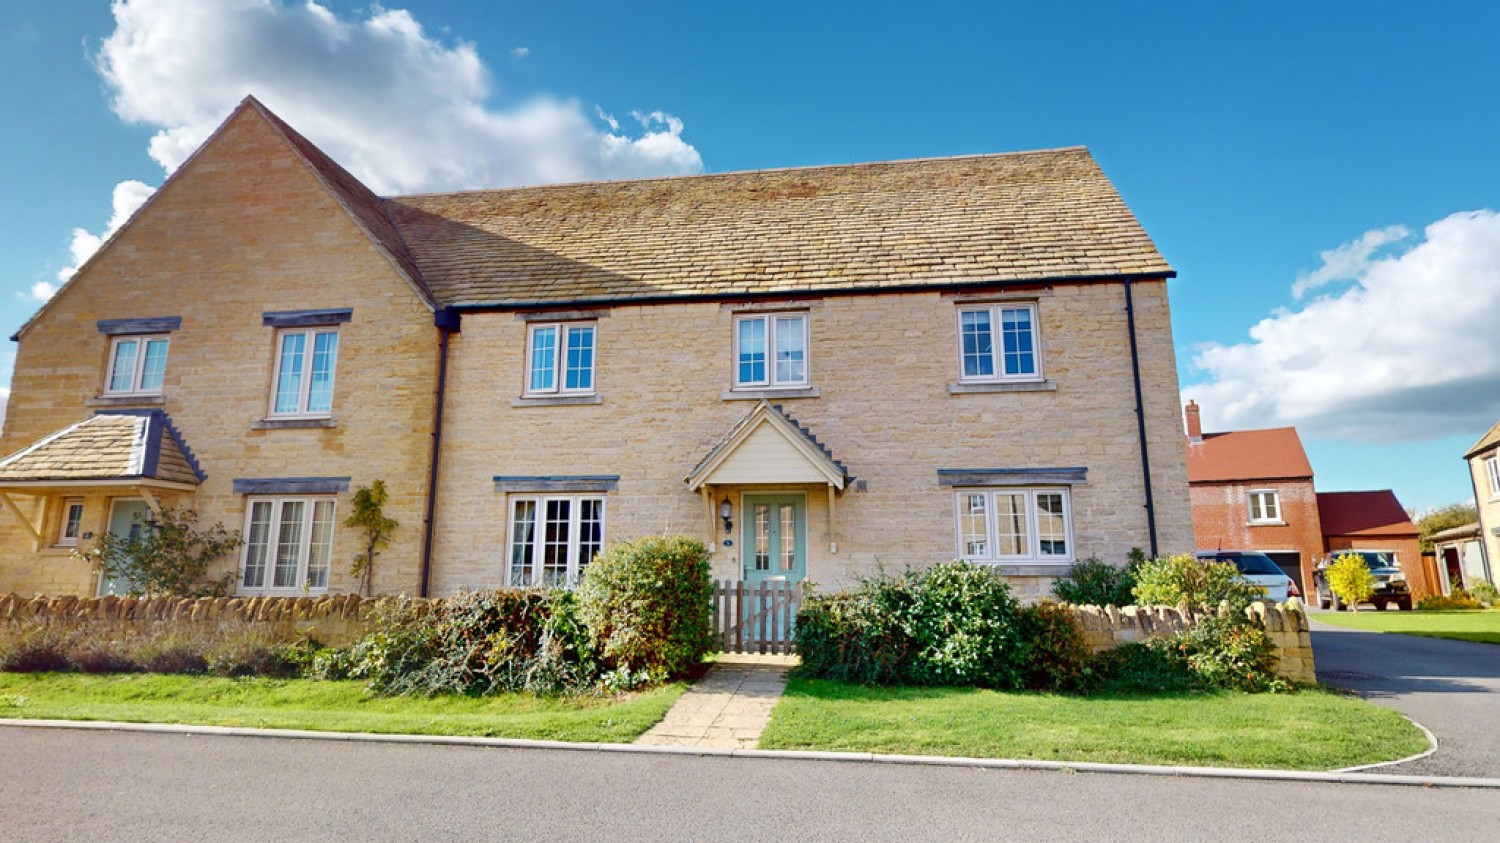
pixel 151 502
pixel 708 514
pixel 31 528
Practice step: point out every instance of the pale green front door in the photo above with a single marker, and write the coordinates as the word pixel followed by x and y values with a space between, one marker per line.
pixel 775 538
pixel 127 518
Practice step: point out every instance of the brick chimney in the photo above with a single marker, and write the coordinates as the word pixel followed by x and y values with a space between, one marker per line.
pixel 1194 424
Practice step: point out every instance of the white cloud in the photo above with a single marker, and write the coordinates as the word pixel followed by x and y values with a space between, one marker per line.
pixel 521 52
pixel 129 195
pixel 1406 352
pixel 1349 261
pixel 403 111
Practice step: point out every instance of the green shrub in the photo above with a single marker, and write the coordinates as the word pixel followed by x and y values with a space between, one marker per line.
pixel 964 624
pixel 1059 653
pixel 1230 651
pixel 168 555
pixel 855 636
pixel 1175 580
pixel 1350 579
pixel 479 642
pixel 1485 593
pixel 1134 668
pixel 1458 599
pixel 951 624
pixel 647 605
pixel 1091 582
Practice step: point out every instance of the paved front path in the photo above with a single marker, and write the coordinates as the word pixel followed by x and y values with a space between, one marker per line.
pixel 729 707
pixel 1451 687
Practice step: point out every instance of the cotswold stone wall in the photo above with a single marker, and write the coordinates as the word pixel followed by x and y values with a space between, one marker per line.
pixel 333 620
pixel 1286 625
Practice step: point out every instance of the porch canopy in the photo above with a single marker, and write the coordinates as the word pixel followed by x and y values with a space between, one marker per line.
pixel 767 447
pixel 119 452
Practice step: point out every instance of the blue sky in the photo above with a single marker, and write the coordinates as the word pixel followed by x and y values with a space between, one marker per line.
pixel 1323 176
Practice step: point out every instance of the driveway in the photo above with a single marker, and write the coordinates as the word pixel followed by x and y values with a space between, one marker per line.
pixel 1451 687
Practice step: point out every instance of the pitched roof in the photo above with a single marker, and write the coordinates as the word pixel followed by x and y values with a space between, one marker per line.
pixel 1042 215
pixel 1272 454
pixel 813 454
pixel 123 445
pixel 1487 441
pixel 1372 513
pixel 363 205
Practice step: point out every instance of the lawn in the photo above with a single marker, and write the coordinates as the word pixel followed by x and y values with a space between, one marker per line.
pixel 1459 625
pixel 326 706
pixel 1308 730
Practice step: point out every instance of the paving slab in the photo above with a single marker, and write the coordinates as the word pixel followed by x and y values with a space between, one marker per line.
pixel 729 707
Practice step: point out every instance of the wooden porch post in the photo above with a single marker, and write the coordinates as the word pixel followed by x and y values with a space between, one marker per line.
pixel 708 514
pixel 833 523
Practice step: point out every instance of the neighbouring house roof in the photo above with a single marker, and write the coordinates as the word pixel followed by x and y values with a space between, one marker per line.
pixel 122 445
pixel 1463 531
pixel 767 445
pixel 1272 454
pixel 1372 513
pixel 1486 442
pixel 1049 214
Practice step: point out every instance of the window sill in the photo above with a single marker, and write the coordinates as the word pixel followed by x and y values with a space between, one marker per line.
pixel 1031 569
pixel 753 394
pixel 125 400
pixel 1002 386
pixel 554 400
pixel 1265 523
pixel 294 424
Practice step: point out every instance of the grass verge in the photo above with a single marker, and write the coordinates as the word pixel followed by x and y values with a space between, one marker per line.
pixel 327 706
pixel 1459 625
pixel 1310 730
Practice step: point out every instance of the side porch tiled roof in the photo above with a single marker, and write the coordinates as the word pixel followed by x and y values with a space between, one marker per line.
pixel 122 445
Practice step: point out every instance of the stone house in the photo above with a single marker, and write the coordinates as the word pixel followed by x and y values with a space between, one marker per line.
pixel 823 373
pixel 1253 490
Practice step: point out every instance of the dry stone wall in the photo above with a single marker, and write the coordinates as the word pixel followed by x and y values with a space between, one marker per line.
pixel 1286 625
pixel 332 620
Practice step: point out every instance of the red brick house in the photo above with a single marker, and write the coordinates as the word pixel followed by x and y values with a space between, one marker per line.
pixel 1253 490
pixel 1375 520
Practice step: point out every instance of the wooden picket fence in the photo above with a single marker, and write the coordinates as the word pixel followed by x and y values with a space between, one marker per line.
pixel 755 618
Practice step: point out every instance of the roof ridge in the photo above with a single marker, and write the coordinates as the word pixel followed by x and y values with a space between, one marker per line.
pixel 750 172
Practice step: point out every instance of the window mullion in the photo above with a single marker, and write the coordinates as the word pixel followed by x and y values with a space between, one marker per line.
pixel 304 386
pixel 140 365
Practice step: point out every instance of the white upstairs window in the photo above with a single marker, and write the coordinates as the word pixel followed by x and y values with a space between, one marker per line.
pixel 137 365
pixel 770 351
pixel 998 343
pixel 560 358
pixel 306 359
pixel 1265 507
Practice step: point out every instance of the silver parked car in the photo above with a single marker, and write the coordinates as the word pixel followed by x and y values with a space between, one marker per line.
pixel 1257 569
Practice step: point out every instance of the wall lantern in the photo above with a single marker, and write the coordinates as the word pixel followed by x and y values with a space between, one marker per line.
pixel 726 510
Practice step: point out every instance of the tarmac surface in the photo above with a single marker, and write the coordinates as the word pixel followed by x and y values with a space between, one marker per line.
pixel 1450 687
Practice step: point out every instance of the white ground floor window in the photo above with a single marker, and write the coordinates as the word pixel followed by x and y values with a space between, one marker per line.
pixel 288 545
pixel 1015 525
pixel 553 538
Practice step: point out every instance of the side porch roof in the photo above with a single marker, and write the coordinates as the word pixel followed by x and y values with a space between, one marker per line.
pixel 118 447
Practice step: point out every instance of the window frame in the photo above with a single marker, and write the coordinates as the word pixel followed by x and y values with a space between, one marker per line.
pixel 996 311
pixel 304 388
pixel 304 545
pixel 535 564
pixel 1271 514
pixel 1034 554
pixel 559 369
pixel 65 520
pixel 1492 468
pixel 771 381
pixel 138 366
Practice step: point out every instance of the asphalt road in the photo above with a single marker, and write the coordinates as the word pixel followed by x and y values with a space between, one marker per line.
pixel 103 785
pixel 1451 687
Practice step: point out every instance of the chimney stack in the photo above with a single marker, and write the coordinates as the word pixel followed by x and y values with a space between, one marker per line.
pixel 1194 424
